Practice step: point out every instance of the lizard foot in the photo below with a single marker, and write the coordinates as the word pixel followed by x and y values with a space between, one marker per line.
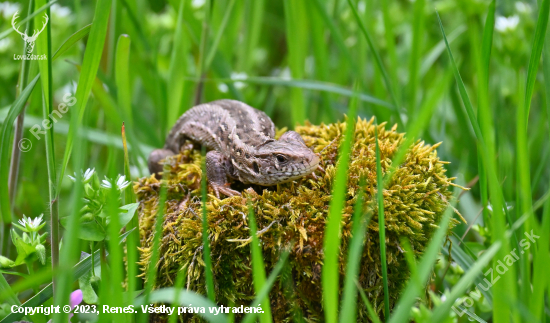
pixel 225 190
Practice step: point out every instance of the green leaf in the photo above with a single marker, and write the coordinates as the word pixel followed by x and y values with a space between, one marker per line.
pixel 89 295
pixel 73 39
pixel 89 230
pixel 130 210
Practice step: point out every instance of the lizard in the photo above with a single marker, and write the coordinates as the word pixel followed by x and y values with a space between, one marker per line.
pixel 242 146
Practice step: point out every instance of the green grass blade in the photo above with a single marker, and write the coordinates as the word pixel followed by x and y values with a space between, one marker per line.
pixel 258 266
pixel 44 47
pixel 379 62
pixel 177 68
pixel 69 253
pixel 424 269
pixel 442 311
pixel 360 223
pixel 296 42
pixel 310 85
pixel 7 131
pixel 208 273
pixel 153 261
pixel 508 287
pixel 214 47
pixel 368 305
pixel 536 50
pixel 178 287
pixel 436 51
pixel 72 40
pixel 330 275
pixel 382 225
pixel 264 292
pixel 90 65
pixel 484 112
pixel 417 41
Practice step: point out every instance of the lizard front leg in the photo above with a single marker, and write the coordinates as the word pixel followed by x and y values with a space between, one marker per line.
pixel 216 174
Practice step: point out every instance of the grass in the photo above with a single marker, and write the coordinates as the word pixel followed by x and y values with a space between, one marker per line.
pixel 454 75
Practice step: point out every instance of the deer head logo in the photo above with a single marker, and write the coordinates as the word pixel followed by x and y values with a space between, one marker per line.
pixel 29 39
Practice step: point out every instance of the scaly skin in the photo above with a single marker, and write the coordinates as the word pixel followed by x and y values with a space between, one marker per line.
pixel 242 146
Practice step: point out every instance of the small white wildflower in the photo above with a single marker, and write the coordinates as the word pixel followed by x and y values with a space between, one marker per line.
pixel 223 87
pixel 5 44
pixel 523 7
pixel 197 3
pixel 8 9
pixel 121 183
pixel 86 176
pixel 32 224
pixel 286 75
pixel 106 183
pixel 239 76
pixel 59 11
pixel 505 24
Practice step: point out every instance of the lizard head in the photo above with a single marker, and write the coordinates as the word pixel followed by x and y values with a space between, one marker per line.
pixel 283 160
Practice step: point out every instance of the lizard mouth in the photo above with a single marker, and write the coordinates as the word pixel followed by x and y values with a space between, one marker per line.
pixel 290 174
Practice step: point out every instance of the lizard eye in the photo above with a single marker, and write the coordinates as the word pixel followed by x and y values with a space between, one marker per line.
pixel 281 158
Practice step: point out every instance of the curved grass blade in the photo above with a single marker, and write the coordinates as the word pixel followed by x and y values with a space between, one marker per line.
pixel 258 266
pixel 370 309
pixel 73 39
pixel 412 290
pixel 360 223
pixel 536 50
pixel 177 69
pixel 90 65
pixel 264 292
pixel 508 287
pixel 382 225
pixel 459 288
pixel 7 131
pixel 379 62
pixel 331 244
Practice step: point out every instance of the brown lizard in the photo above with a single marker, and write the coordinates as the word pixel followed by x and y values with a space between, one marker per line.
pixel 242 146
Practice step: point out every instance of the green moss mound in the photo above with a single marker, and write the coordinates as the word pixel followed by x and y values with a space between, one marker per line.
pixel 414 202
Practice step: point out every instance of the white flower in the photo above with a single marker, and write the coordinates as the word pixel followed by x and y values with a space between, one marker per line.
pixel 523 7
pixel 121 183
pixel 239 76
pixel 30 224
pixel 8 9
pixel 505 24
pixel 197 3
pixel 85 175
pixel 59 11
pixel 223 87
pixel 5 44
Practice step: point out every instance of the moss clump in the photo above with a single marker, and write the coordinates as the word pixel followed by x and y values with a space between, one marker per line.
pixel 414 202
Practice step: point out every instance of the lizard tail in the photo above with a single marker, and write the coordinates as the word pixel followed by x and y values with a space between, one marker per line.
pixel 155 158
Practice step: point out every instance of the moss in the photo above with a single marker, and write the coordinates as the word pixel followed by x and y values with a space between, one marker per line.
pixel 414 202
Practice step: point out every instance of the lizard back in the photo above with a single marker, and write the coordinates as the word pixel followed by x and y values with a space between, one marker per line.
pixel 211 124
